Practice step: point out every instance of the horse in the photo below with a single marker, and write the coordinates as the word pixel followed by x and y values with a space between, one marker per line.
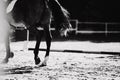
pixel 35 14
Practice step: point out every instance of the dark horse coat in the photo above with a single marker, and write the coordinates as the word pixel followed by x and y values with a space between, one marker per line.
pixel 33 12
pixel 38 13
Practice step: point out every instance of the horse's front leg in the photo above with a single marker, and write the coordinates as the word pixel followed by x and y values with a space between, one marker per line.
pixel 36 50
pixel 9 54
pixel 48 38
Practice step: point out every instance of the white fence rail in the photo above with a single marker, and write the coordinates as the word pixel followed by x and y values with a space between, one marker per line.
pixel 88 28
pixel 105 28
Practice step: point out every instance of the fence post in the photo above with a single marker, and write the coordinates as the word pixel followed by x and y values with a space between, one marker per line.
pixel 76 26
pixel 25 47
pixel 106 29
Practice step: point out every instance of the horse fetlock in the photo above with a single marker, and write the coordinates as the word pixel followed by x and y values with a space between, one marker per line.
pixel 6 60
pixel 11 55
pixel 45 61
pixel 37 60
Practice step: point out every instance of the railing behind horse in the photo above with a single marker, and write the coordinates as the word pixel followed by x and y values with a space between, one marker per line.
pixel 100 27
pixel 86 28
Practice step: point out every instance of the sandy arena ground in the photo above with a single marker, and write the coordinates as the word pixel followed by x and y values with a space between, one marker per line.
pixel 63 65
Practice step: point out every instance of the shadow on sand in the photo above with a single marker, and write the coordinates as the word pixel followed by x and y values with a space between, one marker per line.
pixel 21 70
pixel 80 51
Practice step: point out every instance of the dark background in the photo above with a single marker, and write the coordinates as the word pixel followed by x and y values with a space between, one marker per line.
pixel 87 11
pixel 93 10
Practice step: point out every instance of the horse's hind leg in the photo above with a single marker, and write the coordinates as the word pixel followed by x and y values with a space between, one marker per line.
pixel 48 38
pixel 36 50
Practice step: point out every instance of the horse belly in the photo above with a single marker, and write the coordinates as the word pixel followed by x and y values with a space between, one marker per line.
pixel 46 17
pixel 27 12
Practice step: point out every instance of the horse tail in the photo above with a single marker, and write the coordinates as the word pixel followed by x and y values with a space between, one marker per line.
pixel 60 14
pixel 65 12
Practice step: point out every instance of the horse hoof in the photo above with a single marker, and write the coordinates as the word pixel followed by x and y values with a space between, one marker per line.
pixel 43 64
pixel 11 54
pixel 37 60
pixel 5 61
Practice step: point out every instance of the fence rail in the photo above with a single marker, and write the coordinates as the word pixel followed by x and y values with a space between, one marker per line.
pixel 86 28
pixel 89 27
pixel 97 27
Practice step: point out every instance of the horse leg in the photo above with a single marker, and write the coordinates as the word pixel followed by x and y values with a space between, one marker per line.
pixel 36 50
pixel 48 43
pixel 9 54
